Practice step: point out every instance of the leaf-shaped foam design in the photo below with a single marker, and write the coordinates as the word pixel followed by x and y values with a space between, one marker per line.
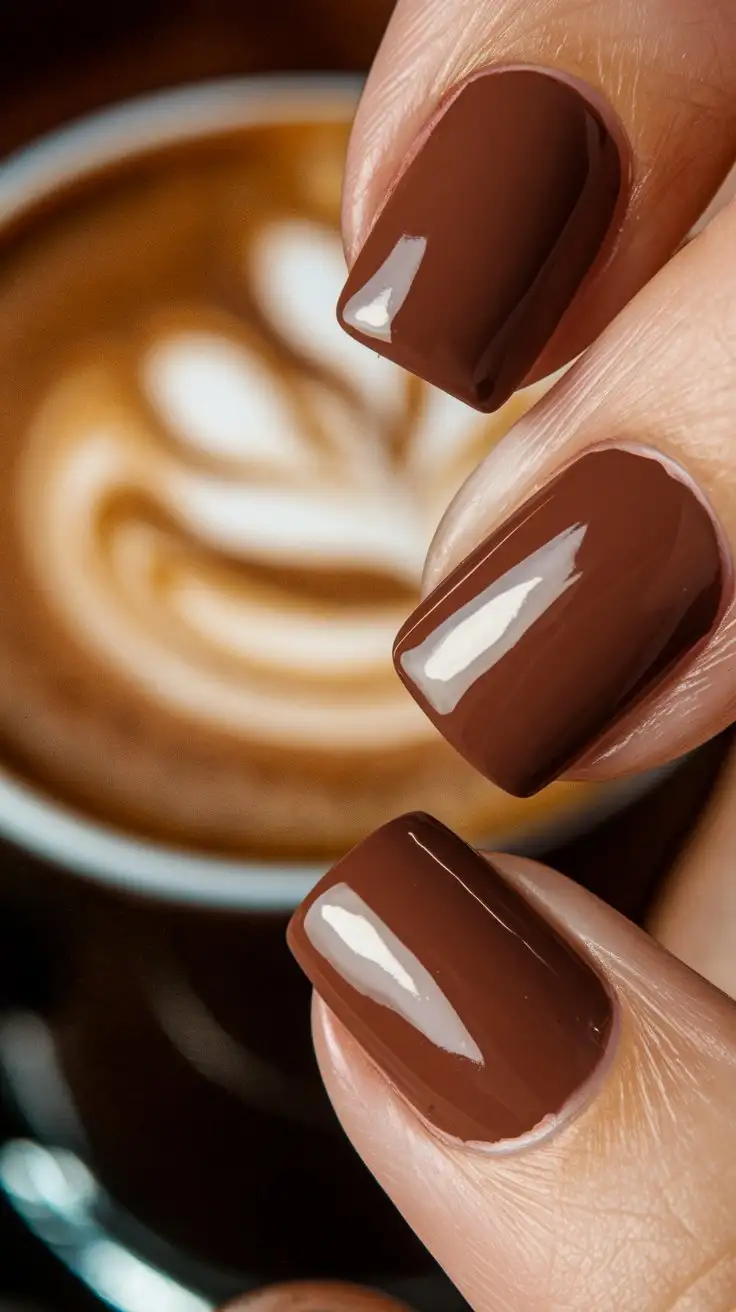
pixel 242 531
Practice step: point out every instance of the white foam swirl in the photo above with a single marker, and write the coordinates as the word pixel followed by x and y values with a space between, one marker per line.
pixel 179 522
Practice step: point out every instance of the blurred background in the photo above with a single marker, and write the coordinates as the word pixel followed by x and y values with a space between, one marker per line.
pixel 216 511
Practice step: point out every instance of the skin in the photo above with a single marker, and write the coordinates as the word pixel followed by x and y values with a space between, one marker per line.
pixel 631 1204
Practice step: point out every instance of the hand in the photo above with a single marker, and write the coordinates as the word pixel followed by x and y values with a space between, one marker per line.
pixel 545 1091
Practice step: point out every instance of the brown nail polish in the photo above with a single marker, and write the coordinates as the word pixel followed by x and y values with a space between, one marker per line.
pixel 315 1296
pixel 488 233
pixel 580 605
pixel 472 1004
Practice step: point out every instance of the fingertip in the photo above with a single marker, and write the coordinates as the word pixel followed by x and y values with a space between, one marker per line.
pixel 315 1296
pixel 498 1218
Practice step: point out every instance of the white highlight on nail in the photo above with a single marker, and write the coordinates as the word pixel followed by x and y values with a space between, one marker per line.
pixel 344 930
pixel 373 309
pixel 363 938
pixel 469 643
pixel 297 269
pixel 376 313
pixel 477 632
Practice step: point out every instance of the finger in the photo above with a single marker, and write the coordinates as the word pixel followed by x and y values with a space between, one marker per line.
pixel 551 1155
pixel 315 1296
pixel 723 197
pixel 695 913
pixel 594 550
pixel 517 171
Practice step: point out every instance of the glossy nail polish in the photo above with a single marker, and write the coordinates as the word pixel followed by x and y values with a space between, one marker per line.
pixel 315 1296
pixel 573 611
pixel 475 1008
pixel 490 230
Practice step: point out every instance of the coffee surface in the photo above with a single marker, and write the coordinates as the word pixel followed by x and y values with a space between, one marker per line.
pixel 216 510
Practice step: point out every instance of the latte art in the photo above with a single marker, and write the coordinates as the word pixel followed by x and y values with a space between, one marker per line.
pixel 220 510
pixel 167 494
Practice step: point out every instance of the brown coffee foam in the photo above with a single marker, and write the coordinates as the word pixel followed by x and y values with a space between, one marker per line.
pixel 89 276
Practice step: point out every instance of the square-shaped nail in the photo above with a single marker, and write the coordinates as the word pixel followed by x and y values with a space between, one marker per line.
pixel 575 609
pixel 489 232
pixel 476 1009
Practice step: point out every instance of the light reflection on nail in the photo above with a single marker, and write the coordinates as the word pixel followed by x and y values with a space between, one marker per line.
pixel 472 640
pixel 372 309
pixel 347 933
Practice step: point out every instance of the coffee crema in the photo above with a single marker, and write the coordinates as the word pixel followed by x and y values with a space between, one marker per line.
pixel 217 508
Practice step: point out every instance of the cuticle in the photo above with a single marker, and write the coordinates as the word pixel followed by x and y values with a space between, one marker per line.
pixel 553 1124
pixel 728 590
pixel 598 102
pixel 683 475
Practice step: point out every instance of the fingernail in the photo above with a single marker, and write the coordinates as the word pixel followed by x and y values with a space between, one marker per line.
pixel 315 1296
pixel 490 230
pixel 472 1005
pixel 578 607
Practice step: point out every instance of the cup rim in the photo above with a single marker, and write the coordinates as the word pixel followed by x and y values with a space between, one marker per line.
pixel 172 115
pixel 146 868
pixel 35 822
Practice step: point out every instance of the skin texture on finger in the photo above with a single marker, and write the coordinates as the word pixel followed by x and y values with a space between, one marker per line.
pixel 666 67
pixel 661 379
pixel 695 913
pixel 631 1205
pixel 723 197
